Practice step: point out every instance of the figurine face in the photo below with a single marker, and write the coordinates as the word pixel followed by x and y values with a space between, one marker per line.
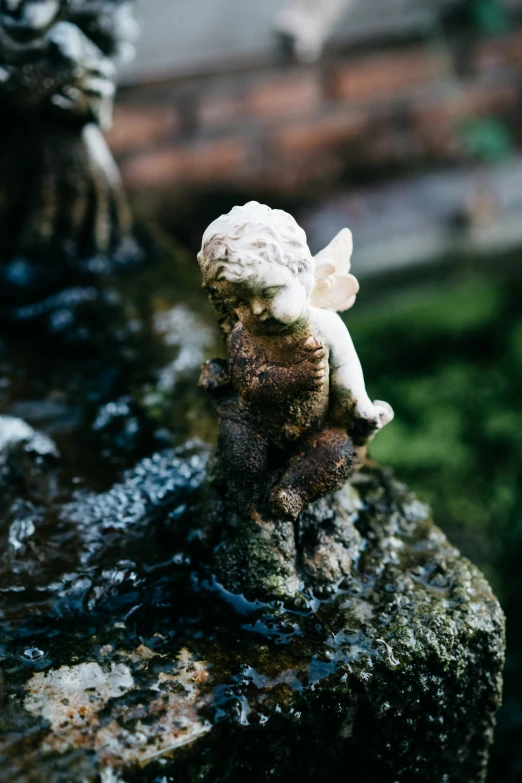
pixel 268 301
pixel 28 19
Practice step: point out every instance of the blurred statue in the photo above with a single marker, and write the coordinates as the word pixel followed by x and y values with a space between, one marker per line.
pixel 309 23
pixel 61 198
pixel 296 410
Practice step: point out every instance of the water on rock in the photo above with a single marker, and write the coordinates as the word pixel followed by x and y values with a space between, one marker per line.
pixel 123 659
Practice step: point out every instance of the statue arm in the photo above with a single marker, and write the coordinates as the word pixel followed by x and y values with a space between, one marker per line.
pixel 350 403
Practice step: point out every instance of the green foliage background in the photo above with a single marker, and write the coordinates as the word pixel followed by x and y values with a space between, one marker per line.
pixel 449 360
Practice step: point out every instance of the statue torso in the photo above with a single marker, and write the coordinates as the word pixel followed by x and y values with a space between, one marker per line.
pixel 287 411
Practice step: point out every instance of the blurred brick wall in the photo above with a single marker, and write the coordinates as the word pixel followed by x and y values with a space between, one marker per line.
pixel 288 128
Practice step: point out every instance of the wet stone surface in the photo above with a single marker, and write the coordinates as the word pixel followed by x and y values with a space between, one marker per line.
pixel 137 662
pixel 123 659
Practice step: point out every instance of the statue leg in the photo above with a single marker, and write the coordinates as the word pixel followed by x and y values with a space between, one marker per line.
pixel 242 454
pixel 321 465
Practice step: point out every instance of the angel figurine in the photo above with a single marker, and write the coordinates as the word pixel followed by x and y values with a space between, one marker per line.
pixel 291 399
pixel 60 190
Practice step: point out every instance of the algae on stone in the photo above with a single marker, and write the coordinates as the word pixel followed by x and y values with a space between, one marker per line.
pixel 395 676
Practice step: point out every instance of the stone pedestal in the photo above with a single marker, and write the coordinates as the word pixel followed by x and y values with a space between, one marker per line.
pixel 394 676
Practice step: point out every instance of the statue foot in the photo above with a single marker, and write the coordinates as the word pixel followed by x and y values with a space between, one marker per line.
pixel 285 503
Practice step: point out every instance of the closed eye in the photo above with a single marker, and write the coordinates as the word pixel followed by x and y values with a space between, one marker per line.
pixel 268 293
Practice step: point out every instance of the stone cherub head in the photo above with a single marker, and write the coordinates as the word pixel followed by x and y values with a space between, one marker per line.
pixel 300 407
pixel 257 261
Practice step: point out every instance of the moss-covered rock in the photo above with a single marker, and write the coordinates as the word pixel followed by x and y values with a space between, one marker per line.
pixel 164 675
pixel 269 559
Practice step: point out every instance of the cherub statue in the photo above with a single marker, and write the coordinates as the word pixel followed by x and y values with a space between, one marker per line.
pixel 60 191
pixel 292 400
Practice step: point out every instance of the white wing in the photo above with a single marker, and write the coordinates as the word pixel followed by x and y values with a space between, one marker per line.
pixel 335 288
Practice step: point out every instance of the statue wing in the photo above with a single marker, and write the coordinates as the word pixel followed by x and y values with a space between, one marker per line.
pixel 335 288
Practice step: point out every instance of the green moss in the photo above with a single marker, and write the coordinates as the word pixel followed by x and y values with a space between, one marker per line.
pixel 487 139
pixel 490 16
pixel 450 363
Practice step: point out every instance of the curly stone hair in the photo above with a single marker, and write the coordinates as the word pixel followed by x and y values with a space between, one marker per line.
pixel 235 243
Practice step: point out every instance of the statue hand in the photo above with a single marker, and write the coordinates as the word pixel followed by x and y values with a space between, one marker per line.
pixel 385 411
pixel 369 418
pixel 214 375
pixel 316 365
pixel 314 350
